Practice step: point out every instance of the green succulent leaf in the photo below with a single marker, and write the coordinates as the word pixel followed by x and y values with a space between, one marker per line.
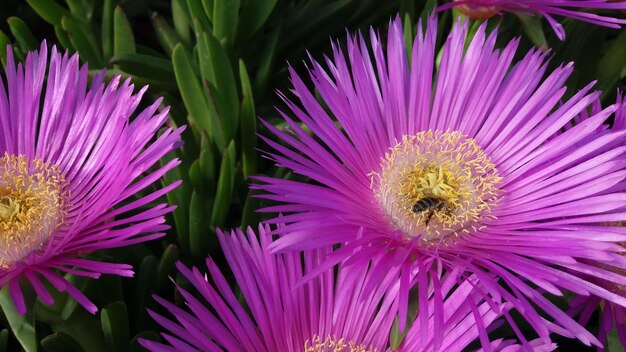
pixel 264 71
pixel 612 66
pixel 217 72
pixel 533 27
pixel 4 340
pixel 181 22
pixel 22 33
pixel 181 196
pixel 60 342
pixel 225 16
pixel 248 123
pixel 197 12
pixel 77 8
pixel 199 227
pixel 144 66
pixel 146 282
pixel 148 335
pixel 115 327
pixel 4 41
pixel 167 265
pixel 108 9
pixel 23 326
pixel 63 38
pixel 253 15
pixel 200 115
pixel 49 10
pixel 81 283
pixel 166 35
pixel 225 184
pixel 83 40
pixel 123 39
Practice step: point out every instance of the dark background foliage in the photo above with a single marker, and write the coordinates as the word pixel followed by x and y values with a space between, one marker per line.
pixel 217 63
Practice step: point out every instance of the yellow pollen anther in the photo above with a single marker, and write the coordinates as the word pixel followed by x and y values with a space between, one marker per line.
pixel 435 184
pixel 332 344
pixel 9 209
pixel 32 205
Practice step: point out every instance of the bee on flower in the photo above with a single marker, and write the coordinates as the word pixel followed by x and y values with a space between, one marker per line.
pixel 521 204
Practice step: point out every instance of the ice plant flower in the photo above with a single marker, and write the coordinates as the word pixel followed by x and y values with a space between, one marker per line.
pixel 483 9
pixel 332 312
pixel 72 163
pixel 461 167
pixel 611 315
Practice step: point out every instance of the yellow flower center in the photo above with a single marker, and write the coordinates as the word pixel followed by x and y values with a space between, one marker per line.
pixel 434 184
pixel 332 344
pixel 32 199
pixel 477 12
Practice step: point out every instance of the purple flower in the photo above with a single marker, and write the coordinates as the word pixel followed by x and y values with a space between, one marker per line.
pixel 458 167
pixel 72 162
pixel 483 9
pixel 335 311
pixel 583 307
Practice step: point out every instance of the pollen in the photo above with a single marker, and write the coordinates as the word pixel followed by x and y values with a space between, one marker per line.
pixel 332 344
pixel 32 206
pixel 436 185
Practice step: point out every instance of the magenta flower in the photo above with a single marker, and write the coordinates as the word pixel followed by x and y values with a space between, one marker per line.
pixel 70 169
pixel 332 312
pixel 611 315
pixel 460 168
pixel 483 9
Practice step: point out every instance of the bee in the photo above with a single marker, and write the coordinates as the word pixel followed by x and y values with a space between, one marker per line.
pixel 430 204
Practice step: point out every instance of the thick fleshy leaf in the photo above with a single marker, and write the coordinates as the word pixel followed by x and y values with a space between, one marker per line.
pixel 253 15
pixel 4 41
pixel 4 340
pixel 166 35
pixel 166 266
pixel 613 64
pixel 199 227
pixel 200 116
pixel 147 66
pixel 146 282
pixel 225 184
pixel 181 23
pixel 108 9
pixel 115 327
pixel 22 326
pixel 225 16
pixel 49 10
pixel 60 342
pixel 22 34
pixel 123 38
pixel 248 124
pixel 83 41
pixel 533 27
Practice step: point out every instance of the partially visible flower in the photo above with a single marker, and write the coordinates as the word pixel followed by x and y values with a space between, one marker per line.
pixel 483 9
pixel 459 167
pixel 72 163
pixel 333 312
pixel 611 315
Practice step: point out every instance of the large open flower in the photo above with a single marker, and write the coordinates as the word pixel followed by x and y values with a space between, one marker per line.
pixel 482 9
pixel 459 166
pixel 72 162
pixel 333 312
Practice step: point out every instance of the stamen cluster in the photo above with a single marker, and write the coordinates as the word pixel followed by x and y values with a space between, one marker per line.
pixel 332 344
pixel 32 200
pixel 446 168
